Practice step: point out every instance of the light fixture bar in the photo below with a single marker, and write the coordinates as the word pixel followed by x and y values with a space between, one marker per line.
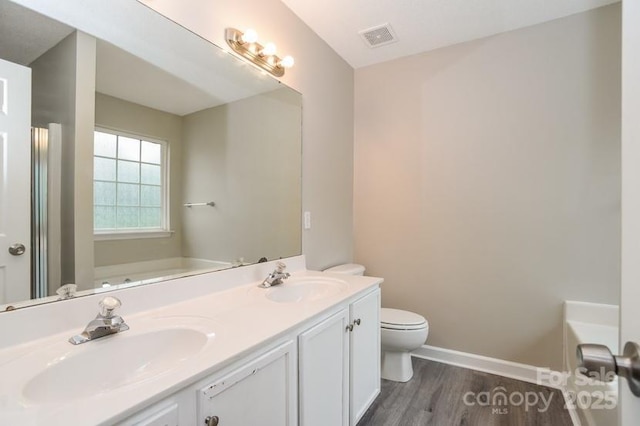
pixel 253 51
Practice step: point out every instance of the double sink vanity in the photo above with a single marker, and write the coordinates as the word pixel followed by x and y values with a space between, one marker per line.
pixel 209 349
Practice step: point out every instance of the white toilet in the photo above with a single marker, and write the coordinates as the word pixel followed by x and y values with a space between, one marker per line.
pixel 400 333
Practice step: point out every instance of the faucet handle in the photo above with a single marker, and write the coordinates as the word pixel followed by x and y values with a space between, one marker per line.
pixel 108 305
pixel 67 291
pixel 280 267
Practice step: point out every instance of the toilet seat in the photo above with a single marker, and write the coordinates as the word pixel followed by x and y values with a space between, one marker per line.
pixel 397 319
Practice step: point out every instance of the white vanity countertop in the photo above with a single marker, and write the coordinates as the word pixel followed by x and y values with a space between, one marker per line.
pixel 239 319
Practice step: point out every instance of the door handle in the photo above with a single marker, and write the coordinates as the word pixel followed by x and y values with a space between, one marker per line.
pixel 598 362
pixel 212 421
pixel 17 249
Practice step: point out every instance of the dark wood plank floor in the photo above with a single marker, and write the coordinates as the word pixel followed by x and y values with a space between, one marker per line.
pixel 444 395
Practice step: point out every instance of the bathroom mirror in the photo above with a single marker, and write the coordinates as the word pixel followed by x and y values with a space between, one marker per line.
pixel 159 154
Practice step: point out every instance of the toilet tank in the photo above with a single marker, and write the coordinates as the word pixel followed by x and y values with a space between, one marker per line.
pixel 347 268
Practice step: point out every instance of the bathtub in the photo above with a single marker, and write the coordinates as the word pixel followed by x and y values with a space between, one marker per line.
pixel 125 274
pixel 595 401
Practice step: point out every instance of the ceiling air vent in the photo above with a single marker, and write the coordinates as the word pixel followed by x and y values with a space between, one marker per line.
pixel 379 36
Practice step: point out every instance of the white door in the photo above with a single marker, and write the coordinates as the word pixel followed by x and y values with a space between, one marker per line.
pixel 15 187
pixel 630 286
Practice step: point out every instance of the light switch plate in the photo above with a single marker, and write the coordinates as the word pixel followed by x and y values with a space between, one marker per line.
pixel 307 220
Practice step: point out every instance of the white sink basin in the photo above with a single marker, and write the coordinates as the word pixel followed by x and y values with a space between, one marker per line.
pixel 304 289
pixel 111 362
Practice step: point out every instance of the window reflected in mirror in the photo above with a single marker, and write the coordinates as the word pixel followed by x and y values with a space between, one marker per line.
pixel 128 184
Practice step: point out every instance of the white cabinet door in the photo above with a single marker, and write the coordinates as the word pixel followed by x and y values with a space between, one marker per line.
pixel 365 354
pixel 15 182
pixel 262 392
pixel 323 366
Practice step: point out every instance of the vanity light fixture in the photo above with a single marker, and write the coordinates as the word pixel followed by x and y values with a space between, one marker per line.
pixel 246 45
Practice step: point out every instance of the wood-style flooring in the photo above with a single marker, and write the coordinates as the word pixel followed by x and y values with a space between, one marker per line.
pixel 445 395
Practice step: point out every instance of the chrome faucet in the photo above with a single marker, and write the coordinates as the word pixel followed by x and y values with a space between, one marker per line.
pixel 276 277
pixel 104 324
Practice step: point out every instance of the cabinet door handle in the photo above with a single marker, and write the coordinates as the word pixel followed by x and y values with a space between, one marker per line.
pixel 357 322
pixel 349 327
pixel 212 421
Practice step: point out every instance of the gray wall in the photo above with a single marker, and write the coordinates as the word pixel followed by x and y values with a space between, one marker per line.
pixel 63 88
pixel 487 183
pixel 118 114
pixel 243 157
pixel 326 82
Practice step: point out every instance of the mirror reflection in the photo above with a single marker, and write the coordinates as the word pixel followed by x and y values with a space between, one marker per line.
pixel 139 173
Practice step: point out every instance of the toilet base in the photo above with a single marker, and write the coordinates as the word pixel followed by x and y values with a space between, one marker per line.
pixel 396 366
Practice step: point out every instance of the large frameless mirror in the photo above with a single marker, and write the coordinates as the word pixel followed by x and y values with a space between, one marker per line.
pixel 154 153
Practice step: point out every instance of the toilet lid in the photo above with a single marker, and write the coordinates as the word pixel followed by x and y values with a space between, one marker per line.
pixel 401 320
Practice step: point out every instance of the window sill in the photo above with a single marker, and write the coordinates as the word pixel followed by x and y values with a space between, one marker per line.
pixel 134 235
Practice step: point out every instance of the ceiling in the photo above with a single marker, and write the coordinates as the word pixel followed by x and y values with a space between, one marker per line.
pixel 26 35
pixel 21 43
pixel 423 25
pixel 125 76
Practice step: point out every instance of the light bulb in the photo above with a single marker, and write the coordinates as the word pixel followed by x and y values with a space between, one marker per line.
pixel 269 49
pixel 287 62
pixel 249 36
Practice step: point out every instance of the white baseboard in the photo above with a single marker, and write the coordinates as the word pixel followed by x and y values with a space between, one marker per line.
pixel 500 367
